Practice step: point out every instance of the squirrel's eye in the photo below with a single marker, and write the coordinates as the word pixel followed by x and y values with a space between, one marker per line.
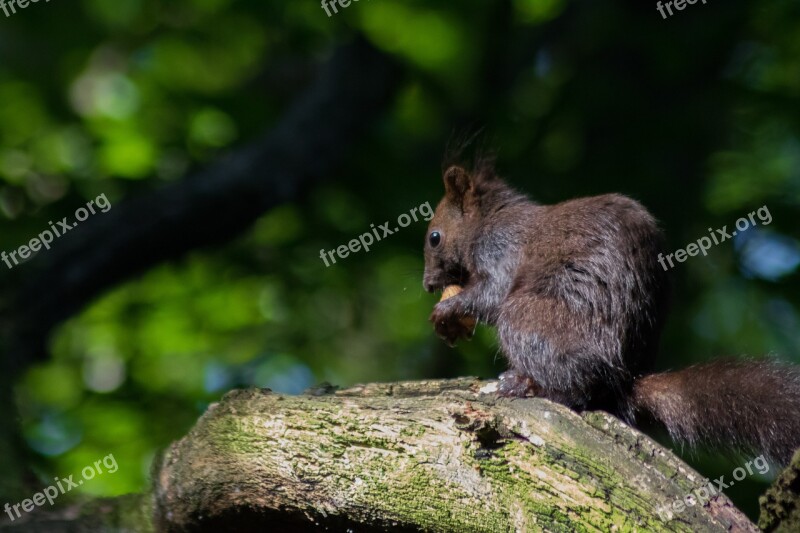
pixel 435 238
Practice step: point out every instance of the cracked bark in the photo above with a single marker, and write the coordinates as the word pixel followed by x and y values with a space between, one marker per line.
pixel 430 455
pixel 414 456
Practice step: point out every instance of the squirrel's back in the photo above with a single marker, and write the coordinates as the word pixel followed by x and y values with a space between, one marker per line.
pixel 584 312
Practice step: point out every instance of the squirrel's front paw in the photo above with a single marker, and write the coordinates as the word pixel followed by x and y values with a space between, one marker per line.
pixel 449 326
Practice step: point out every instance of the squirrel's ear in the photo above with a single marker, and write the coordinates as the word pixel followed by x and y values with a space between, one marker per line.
pixel 457 183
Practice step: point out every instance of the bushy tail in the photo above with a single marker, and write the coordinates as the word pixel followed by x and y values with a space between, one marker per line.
pixel 753 406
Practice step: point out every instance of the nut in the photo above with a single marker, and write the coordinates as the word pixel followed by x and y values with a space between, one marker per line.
pixel 468 322
pixel 450 291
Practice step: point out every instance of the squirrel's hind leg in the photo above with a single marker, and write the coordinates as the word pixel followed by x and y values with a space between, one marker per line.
pixel 514 384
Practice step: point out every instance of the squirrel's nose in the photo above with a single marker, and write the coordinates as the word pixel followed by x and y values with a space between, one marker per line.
pixel 428 285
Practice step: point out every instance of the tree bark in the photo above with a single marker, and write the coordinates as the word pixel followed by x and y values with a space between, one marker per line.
pixel 423 456
pixel 444 455
pixel 780 506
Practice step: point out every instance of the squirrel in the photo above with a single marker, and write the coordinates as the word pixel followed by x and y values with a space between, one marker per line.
pixel 579 300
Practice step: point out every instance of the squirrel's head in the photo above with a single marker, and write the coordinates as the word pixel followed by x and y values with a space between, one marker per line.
pixel 451 230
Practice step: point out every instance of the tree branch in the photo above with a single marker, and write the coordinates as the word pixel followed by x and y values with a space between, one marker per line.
pixel 211 206
pixel 436 456
pixel 432 456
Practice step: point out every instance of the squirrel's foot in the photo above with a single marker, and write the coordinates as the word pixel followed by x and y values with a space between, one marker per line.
pixel 516 385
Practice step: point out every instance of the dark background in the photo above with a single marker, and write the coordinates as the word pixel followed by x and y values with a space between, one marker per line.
pixel 118 338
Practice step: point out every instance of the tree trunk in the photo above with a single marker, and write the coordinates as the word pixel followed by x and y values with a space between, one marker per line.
pixel 417 456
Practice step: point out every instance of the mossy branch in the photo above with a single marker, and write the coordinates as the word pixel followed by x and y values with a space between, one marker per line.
pixel 438 456
pixel 428 455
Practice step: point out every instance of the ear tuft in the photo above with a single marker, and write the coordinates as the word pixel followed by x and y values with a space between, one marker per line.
pixel 456 184
pixel 483 168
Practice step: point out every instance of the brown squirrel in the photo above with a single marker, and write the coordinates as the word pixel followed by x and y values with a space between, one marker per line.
pixel 579 299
